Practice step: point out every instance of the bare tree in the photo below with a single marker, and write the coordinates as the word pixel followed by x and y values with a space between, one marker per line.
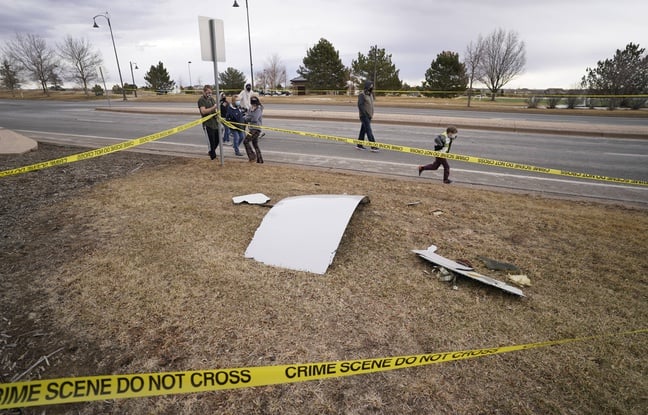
pixel 474 52
pixel 81 60
pixel 502 59
pixel 261 78
pixel 34 57
pixel 275 71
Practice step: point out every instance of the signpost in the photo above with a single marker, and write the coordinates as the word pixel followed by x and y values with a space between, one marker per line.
pixel 212 48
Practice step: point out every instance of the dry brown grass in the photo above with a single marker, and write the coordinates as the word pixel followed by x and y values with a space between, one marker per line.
pixel 161 284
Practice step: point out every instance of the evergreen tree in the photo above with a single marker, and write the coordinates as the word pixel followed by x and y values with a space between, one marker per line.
pixel 446 74
pixel 377 66
pixel 322 67
pixel 625 74
pixel 157 78
pixel 9 76
pixel 232 80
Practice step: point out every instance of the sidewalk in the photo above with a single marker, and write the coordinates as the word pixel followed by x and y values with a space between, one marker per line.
pixel 14 143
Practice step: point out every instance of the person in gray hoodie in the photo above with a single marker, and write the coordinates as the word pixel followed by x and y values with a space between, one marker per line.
pixel 366 110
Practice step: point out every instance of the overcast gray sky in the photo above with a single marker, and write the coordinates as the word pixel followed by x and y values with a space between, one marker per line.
pixel 562 37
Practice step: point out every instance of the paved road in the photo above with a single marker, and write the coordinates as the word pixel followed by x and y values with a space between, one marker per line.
pixel 79 123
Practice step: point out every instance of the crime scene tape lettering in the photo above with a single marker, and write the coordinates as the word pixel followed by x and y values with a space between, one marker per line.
pixel 92 388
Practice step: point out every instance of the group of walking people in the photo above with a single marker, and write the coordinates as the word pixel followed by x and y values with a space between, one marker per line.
pixel 442 142
pixel 244 113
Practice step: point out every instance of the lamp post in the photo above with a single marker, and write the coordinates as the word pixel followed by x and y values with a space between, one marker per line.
pixel 133 76
pixel 247 12
pixel 189 66
pixel 105 15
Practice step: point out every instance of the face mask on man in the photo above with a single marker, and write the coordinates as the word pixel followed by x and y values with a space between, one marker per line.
pixel 237 103
pixel 248 88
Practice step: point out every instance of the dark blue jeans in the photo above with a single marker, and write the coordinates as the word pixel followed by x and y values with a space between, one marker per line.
pixel 365 128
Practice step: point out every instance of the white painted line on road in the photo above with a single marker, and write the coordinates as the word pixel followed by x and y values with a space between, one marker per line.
pixel 550 179
pixel 377 162
pixel 626 154
pixel 514 176
pixel 73 135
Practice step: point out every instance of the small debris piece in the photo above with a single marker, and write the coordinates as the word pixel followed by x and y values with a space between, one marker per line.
pixel 252 199
pixel 520 279
pixel 445 275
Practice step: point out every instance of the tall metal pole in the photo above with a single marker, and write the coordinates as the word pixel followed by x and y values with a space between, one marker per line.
pixel 105 88
pixel 133 77
pixel 189 66
pixel 247 12
pixel 114 48
pixel 212 33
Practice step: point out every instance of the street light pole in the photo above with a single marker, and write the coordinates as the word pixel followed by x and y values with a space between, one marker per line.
pixel 94 19
pixel 133 76
pixel 189 66
pixel 247 12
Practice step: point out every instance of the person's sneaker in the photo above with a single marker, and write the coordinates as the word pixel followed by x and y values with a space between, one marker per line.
pixel 360 148
pixel 420 170
pixel 239 155
pixel 212 154
pixel 447 181
pixel 375 150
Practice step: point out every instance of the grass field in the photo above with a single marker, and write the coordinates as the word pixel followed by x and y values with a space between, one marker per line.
pixel 133 263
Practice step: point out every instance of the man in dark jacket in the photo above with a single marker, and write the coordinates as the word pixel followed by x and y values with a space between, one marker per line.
pixel 366 110
pixel 207 105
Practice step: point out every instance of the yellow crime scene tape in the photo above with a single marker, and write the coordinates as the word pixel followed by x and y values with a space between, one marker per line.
pixel 460 157
pixel 93 388
pixel 403 149
pixel 105 150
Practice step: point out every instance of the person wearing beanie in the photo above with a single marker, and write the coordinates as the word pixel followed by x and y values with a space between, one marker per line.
pixel 254 118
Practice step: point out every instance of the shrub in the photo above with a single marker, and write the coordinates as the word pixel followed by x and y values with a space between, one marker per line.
pixel 553 101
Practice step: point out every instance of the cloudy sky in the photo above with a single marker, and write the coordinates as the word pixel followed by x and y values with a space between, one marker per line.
pixel 562 37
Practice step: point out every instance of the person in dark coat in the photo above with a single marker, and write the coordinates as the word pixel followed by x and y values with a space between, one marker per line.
pixel 366 109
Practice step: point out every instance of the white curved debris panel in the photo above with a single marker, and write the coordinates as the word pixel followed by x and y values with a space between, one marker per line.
pixel 303 232
pixel 252 199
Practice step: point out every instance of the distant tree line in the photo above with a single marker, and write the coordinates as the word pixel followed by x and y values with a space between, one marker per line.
pixel 493 60
pixel 29 58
